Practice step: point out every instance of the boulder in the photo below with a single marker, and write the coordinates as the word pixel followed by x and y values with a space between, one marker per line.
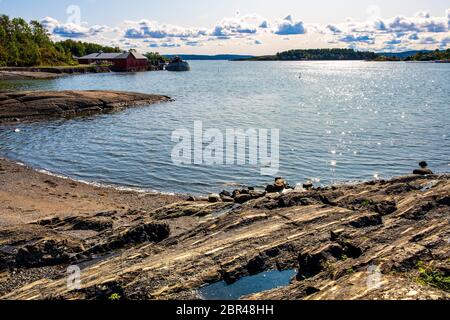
pixel 279 185
pixel 423 172
pixel 243 198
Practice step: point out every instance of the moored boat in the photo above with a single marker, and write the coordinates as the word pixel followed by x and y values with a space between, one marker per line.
pixel 178 65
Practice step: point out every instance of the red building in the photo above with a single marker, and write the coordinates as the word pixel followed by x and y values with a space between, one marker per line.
pixel 121 62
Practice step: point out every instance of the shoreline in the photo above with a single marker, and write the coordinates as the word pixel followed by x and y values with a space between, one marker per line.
pixel 139 245
pixel 36 106
pixel 45 183
pixel 93 183
pixel 143 190
pixel 47 73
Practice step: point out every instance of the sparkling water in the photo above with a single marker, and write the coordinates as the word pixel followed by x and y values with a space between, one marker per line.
pixel 338 121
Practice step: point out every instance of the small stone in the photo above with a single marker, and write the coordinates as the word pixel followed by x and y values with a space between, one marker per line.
pixel 279 185
pixel 308 185
pixel 412 293
pixel 227 199
pixel 243 198
pixel 214 198
pixel 225 193
pixel 257 194
pixel 280 182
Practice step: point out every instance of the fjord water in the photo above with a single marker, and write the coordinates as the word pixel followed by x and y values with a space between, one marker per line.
pixel 338 121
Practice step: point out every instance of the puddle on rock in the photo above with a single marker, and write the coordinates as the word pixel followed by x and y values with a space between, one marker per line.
pixel 249 285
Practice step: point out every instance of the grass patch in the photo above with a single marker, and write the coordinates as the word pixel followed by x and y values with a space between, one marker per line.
pixel 429 276
pixel 115 297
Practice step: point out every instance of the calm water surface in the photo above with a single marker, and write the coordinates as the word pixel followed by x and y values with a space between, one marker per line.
pixel 338 121
pixel 248 285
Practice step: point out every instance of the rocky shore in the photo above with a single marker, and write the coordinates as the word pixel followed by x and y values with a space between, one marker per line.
pixel 46 105
pixel 42 73
pixel 375 240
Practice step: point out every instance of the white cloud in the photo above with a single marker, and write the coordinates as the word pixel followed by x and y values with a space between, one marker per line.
pixel 447 13
pixel 418 31
pixel 334 29
pixel 146 29
pixel 428 40
pixel 49 23
pixel 423 14
pixel 244 25
pixel 71 30
pixel 289 26
pixel 445 43
pixel 366 38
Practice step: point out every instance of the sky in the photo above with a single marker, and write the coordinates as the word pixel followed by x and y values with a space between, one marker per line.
pixel 254 27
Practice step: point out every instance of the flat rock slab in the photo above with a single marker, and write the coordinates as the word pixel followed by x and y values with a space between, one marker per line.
pixel 27 75
pixel 47 105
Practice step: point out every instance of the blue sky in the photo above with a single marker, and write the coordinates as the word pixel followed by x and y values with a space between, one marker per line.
pixel 251 26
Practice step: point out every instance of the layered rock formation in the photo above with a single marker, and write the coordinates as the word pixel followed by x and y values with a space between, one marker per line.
pixel 44 105
pixel 376 240
pixel 41 73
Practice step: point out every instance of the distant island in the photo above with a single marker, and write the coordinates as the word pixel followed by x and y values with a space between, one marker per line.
pixel 210 57
pixel 351 54
pixel 418 56
pixel 316 54
pixel 403 54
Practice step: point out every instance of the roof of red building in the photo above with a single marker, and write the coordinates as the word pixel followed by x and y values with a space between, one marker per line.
pixel 113 56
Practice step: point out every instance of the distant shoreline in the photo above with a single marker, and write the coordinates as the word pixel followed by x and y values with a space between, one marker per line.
pixel 45 73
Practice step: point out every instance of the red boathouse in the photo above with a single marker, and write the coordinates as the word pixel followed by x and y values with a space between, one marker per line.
pixel 121 62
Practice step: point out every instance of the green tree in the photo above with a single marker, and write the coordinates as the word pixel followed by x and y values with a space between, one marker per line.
pixel 25 44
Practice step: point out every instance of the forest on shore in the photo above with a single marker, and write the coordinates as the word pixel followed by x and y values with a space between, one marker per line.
pixel 317 54
pixel 350 54
pixel 25 44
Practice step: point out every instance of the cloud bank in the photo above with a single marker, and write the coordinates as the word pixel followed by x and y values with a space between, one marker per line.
pixel 420 31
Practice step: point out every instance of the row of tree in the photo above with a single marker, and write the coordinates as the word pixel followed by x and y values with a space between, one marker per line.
pixel 79 49
pixel 443 55
pixel 25 44
pixel 318 54
pixel 155 59
pixel 28 44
